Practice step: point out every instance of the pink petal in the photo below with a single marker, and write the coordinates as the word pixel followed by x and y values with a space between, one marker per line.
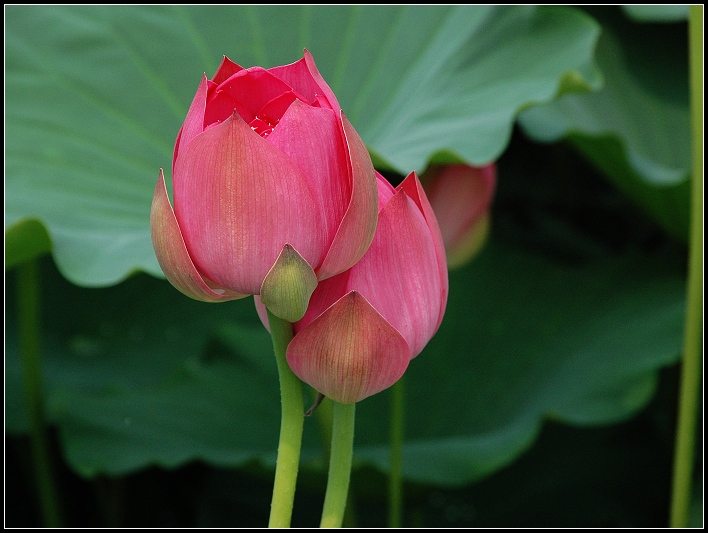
pixel 324 89
pixel 321 101
pixel 399 275
pixel 326 294
pixel 359 223
pixel 193 125
pixel 349 352
pixel 312 139
pixel 277 107
pixel 412 186
pixel 221 105
pixel 226 69
pixel 254 87
pixel 239 201
pixel 299 77
pixel 172 253
pixel 386 190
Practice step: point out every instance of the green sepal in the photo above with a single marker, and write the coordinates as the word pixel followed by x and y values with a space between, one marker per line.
pixel 287 287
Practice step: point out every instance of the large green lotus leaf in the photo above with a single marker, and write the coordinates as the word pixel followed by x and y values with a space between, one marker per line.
pixel 656 13
pixel 132 335
pixel 636 129
pixel 95 96
pixel 523 339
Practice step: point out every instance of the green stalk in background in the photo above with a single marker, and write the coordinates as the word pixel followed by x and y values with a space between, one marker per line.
pixel 395 479
pixel 31 363
pixel 325 413
pixel 691 364
pixel 340 465
pixel 291 424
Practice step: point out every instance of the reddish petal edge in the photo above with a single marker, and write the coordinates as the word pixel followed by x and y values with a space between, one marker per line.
pixel 172 254
pixel 227 68
pixel 193 124
pixel 356 231
pixel 326 90
pixel 349 352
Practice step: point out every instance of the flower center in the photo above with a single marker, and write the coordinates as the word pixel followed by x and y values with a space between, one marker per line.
pixel 264 125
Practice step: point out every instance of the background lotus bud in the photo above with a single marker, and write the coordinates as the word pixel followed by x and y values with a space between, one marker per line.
pixel 461 196
pixel 364 326
pixel 265 158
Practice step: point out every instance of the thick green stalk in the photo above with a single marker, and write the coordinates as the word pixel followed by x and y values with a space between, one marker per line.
pixel 31 362
pixel 291 424
pixel 691 364
pixel 340 465
pixel 395 476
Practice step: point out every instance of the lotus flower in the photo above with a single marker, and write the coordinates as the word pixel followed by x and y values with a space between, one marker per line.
pixel 364 326
pixel 274 189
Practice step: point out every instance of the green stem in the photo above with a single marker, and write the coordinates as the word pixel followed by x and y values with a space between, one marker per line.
pixel 691 365
pixel 325 414
pixel 340 465
pixel 31 362
pixel 395 480
pixel 291 423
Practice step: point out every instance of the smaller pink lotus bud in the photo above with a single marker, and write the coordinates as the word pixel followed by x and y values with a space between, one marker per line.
pixel 461 196
pixel 363 326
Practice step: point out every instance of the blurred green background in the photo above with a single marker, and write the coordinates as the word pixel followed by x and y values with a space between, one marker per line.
pixel 548 396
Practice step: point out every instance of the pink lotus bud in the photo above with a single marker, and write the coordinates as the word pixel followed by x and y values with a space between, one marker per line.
pixel 363 326
pixel 461 196
pixel 265 166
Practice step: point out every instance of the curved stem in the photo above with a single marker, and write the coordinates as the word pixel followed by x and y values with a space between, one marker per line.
pixel 395 479
pixel 31 362
pixel 291 424
pixel 340 465
pixel 691 365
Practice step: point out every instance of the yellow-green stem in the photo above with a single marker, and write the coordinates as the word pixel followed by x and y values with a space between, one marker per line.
pixel 291 424
pixel 691 364
pixel 31 362
pixel 340 465
pixel 325 414
pixel 395 479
